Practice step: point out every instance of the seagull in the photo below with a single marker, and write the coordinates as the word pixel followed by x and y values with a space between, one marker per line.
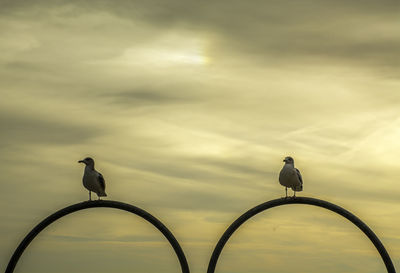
pixel 290 177
pixel 92 179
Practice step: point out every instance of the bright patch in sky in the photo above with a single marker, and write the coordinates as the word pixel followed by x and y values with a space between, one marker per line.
pixel 172 50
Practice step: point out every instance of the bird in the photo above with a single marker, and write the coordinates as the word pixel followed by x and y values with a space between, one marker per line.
pixel 92 179
pixel 290 177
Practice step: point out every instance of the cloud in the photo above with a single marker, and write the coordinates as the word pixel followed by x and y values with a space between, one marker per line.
pixel 163 96
pixel 28 129
pixel 277 31
pixel 264 32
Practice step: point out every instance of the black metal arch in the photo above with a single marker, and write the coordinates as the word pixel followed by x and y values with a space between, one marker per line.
pixel 300 200
pixel 96 204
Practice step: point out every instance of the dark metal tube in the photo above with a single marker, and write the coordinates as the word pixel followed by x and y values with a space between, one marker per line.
pixel 300 200
pixel 97 204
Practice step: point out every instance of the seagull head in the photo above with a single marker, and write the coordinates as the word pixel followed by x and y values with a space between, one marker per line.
pixel 288 160
pixel 88 161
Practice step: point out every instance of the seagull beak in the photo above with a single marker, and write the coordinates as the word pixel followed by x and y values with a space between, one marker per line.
pixel 81 161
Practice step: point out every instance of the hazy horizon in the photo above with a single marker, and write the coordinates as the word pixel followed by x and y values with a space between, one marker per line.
pixel 188 109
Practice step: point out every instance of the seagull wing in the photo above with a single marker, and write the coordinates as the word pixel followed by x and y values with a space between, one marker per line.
pixel 102 182
pixel 299 176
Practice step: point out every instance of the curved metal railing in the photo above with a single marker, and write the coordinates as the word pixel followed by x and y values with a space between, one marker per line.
pixel 222 241
pixel 299 200
pixel 98 204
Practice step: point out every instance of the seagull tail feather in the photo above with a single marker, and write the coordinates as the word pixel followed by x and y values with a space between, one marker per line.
pixel 298 187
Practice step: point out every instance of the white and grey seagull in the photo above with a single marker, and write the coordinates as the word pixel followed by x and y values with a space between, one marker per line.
pixel 92 179
pixel 290 177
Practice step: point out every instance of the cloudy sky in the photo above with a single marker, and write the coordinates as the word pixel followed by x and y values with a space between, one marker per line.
pixel 188 108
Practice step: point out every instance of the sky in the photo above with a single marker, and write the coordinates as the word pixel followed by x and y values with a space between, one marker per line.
pixel 188 108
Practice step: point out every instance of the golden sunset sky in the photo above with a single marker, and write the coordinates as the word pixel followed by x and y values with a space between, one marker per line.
pixel 188 108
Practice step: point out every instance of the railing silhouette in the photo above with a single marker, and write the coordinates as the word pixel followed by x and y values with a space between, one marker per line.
pixel 299 200
pixel 98 204
pixel 221 243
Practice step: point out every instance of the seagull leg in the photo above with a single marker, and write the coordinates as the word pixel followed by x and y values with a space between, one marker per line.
pixel 294 194
pixel 286 192
pixel 90 196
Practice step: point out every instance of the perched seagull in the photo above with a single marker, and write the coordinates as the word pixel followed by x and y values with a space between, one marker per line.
pixel 92 179
pixel 290 177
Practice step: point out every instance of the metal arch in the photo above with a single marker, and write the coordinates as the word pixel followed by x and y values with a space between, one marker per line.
pixel 96 204
pixel 300 200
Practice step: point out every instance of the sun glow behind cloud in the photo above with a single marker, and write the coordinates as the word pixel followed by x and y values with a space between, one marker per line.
pixel 168 51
